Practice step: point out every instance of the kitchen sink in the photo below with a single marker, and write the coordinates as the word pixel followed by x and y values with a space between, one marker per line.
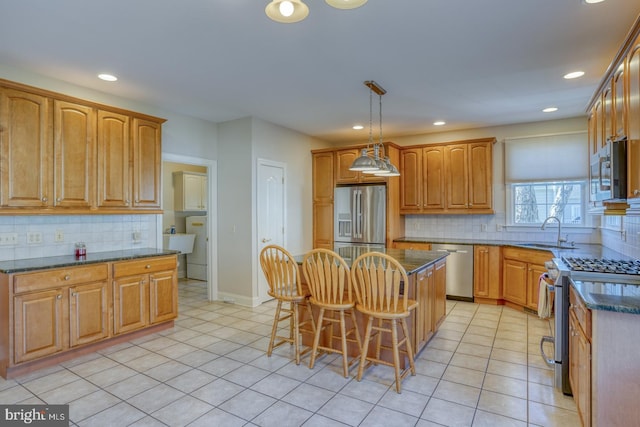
pixel 546 246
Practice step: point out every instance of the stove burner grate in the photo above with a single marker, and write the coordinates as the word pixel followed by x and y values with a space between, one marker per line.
pixel 603 265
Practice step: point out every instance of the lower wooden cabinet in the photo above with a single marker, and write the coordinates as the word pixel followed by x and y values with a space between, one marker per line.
pixel 580 356
pixel 487 274
pixel 49 312
pixel 429 289
pixel 145 292
pixel 521 270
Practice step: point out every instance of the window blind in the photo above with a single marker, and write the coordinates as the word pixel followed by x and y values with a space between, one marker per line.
pixel 557 157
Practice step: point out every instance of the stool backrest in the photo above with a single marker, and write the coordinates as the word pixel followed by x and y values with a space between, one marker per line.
pixel 380 283
pixel 281 270
pixel 328 277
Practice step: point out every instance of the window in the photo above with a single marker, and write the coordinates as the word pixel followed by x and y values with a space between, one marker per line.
pixel 535 201
pixel 546 175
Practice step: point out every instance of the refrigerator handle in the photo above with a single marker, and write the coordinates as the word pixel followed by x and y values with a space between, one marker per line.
pixel 357 213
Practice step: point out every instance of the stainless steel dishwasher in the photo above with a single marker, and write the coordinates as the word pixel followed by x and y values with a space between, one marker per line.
pixel 459 270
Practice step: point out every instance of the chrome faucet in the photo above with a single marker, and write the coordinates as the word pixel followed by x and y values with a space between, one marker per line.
pixel 560 239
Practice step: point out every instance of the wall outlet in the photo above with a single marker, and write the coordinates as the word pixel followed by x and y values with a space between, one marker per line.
pixel 7 239
pixel 483 228
pixel 59 236
pixel 34 237
pixel 498 227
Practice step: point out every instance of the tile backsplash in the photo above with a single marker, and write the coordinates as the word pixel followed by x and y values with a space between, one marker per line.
pixel 621 234
pixel 55 235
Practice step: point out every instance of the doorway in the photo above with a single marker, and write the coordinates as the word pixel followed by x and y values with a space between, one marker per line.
pixel 270 212
pixel 171 217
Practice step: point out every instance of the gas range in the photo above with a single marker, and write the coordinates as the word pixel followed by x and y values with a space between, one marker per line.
pixel 600 269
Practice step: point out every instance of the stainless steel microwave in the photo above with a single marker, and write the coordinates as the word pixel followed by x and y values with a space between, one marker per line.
pixel 608 172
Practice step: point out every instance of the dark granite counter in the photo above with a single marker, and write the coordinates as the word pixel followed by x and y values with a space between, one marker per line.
pixel 580 249
pixel 411 260
pixel 32 264
pixel 618 297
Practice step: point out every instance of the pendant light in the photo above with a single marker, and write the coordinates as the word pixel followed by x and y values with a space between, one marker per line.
pixel 290 11
pixel 345 4
pixel 287 11
pixel 374 163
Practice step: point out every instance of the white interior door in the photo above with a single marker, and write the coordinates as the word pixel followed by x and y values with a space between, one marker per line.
pixel 270 213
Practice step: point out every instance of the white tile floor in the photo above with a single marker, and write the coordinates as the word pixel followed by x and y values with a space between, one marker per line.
pixel 483 368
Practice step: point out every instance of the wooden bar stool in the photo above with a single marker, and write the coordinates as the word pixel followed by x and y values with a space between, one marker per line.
pixel 329 281
pixel 378 281
pixel 283 277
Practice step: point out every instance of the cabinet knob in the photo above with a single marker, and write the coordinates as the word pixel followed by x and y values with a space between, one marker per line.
pixel 126 202
pixel 58 200
pixel 67 277
pixel 148 266
pixel 137 201
pixel 59 296
pixel 142 282
pixel 74 294
pixel 44 199
pixel 636 192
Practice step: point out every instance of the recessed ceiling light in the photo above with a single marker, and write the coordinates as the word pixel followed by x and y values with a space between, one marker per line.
pixel 358 127
pixel 550 109
pixel 574 75
pixel 107 77
pixel 439 123
pixel 592 1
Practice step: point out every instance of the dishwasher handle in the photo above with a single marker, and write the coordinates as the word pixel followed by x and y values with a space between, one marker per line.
pixel 548 360
pixel 453 251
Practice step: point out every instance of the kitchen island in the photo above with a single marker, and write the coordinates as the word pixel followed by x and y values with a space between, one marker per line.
pixel 57 308
pixel 426 271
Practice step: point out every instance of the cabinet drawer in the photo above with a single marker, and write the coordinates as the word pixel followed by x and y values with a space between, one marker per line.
pixel 412 246
pixel 143 266
pixel 532 256
pixel 59 277
pixel 582 313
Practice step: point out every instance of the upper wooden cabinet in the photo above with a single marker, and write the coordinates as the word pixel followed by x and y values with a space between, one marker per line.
pixel 25 132
pixel 344 159
pixel 633 122
pixel 82 157
pixel 447 178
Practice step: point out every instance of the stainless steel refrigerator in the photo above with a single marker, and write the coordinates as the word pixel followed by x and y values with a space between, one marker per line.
pixel 360 215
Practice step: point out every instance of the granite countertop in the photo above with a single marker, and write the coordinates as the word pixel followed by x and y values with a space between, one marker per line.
pixel 618 297
pixel 411 260
pixel 32 264
pixel 580 249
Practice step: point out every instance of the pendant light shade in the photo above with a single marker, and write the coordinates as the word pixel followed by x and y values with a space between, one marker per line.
pixel 373 163
pixel 345 4
pixel 287 11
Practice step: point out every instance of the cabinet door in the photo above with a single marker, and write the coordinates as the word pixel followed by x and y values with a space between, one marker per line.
pixel 344 160
pixel 457 176
pixel 74 154
pixel 424 315
pixel 25 146
pixel 163 296
pixel 533 285
pixel 147 160
pixel 88 313
pixel 607 118
pixel 515 281
pixel 323 225
pixel 599 123
pixel 192 192
pixel 411 180
pixel 619 103
pixel 323 178
pixel 440 294
pixel 580 369
pixel 633 122
pixel 487 272
pixel 480 175
pixel 114 178
pixel 433 193
pixel 38 324
pixel 130 307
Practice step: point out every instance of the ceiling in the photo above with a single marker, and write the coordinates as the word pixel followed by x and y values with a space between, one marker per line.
pixel 470 63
